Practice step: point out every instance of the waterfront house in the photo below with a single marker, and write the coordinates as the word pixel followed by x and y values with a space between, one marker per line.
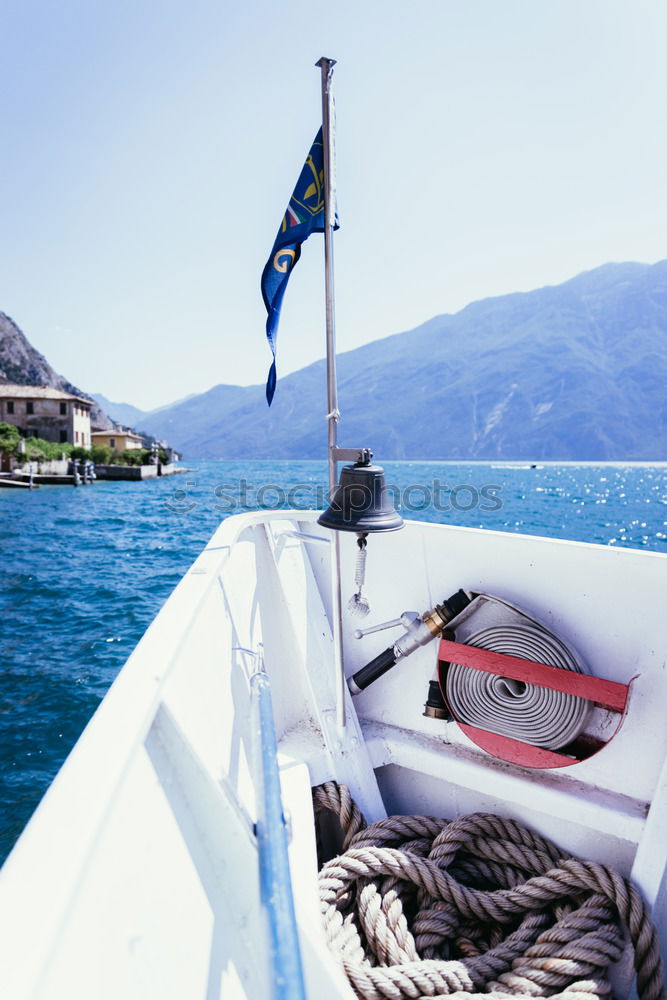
pixel 43 412
pixel 119 440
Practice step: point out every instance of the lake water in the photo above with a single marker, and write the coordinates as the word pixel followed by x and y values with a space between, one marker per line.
pixel 84 571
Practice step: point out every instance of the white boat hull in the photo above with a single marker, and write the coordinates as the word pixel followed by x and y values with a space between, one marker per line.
pixel 138 875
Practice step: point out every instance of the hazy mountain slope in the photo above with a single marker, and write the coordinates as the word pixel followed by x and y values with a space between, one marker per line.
pixel 21 364
pixel 122 413
pixel 190 418
pixel 574 371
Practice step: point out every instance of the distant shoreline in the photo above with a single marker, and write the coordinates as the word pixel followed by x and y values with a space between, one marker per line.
pixel 496 462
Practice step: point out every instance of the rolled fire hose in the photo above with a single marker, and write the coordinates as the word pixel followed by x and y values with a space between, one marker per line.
pixel 521 711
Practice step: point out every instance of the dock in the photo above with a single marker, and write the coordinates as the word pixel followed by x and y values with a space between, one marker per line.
pixel 17 484
pixel 136 473
pixel 46 480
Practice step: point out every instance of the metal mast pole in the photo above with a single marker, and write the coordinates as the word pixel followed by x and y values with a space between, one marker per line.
pixel 326 67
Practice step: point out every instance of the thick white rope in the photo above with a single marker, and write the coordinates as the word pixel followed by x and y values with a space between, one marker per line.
pixel 417 907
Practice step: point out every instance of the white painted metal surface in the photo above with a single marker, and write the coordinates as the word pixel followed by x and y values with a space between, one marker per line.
pixel 137 877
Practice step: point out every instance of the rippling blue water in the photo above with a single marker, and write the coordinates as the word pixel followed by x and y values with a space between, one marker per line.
pixel 84 571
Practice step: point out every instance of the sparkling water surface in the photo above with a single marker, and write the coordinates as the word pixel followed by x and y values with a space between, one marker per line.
pixel 84 571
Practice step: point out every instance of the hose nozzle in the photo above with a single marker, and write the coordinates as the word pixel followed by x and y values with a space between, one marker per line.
pixel 419 630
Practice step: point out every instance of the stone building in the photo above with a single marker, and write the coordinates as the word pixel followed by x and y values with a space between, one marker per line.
pixel 43 412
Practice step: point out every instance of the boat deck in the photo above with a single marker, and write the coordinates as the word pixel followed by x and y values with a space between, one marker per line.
pixel 142 859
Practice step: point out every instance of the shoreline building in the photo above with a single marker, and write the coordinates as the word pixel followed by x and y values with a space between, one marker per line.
pixel 119 440
pixel 42 412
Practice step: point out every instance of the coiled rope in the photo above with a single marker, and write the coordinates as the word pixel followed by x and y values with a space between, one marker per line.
pixel 480 907
pixel 536 715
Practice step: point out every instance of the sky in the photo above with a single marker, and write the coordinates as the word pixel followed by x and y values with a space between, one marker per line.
pixel 149 149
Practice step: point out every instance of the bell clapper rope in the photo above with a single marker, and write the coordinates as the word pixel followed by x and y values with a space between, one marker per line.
pixel 358 603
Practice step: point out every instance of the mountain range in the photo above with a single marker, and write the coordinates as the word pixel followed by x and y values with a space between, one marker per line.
pixel 122 413
pixel 126 413
pixel 576 371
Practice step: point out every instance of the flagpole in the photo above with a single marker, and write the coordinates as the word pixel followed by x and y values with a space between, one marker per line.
pixel 326 67
pixel 333 415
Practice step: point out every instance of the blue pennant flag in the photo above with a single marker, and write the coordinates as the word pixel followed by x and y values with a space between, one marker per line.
pixel 304 215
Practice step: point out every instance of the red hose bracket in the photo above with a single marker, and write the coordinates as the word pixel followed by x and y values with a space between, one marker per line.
pixel 609 696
